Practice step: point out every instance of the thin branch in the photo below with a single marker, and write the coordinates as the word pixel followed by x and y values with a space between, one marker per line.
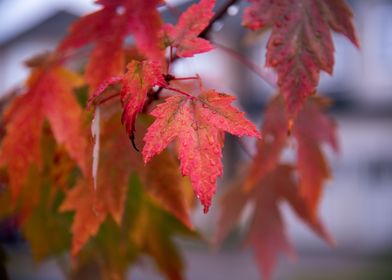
pixel 173 10
pixel 244 148
pixel 152 96
pixel 171 59
pixel 218 15
pixel 186 78
pixel 181 92
pixel 108 98
pixel 264 75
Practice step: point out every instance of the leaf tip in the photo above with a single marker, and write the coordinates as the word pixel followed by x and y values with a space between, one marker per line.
pixel 132 138
pixel 206 208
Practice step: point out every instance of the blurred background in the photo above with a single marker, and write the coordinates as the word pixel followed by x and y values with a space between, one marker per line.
pixel 357 205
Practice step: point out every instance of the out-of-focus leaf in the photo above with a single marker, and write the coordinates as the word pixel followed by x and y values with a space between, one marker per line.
pixel 165 184
pixel 117 161
pixel 108 28
pixel 153 230
pixel 300 45
pixel 311 129
pixel 49 96
pixel 46 229
pixel 266 234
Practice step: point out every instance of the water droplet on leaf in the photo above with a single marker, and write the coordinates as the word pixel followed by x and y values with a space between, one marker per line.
pixel 120 10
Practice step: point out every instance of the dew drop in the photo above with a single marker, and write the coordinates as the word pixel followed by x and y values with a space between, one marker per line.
pixel 97 209
pixel 195 126
pixel 185 170
pixel 277 42
pixel 194 27
pixel 216 150
pixel 274 62
pixel 120 10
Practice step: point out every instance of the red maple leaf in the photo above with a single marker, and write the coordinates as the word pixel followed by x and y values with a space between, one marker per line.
pixel 49 96
pixel 270 147
pixel 198 124
pixel 311 129
pixel 301 44
pixel 137 81
pixel 92 206
pixel 107 29
pixel 267 235
pixel 139 78
pixel 184 35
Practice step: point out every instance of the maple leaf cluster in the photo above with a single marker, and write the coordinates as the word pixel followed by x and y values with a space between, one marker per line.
pixel 127 203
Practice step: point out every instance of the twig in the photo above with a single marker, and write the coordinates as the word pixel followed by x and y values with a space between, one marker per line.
pixel 264 75
pixel 218 15
pixel 181 92
pixel 108 98
pixel 244 148
pixel 186 78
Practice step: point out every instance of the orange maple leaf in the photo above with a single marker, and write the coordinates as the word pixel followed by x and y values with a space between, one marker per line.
pixel 107 29
pixel 49 96
pixel 198 124
pixel 117 162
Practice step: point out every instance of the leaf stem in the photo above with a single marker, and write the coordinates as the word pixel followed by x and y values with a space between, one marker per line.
pixel 270 79
pixel 244 148
pixel 170 59
pixel 218 15
pixel 108 98
pixel 187 78
pixel 181 92
pixel 173 10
